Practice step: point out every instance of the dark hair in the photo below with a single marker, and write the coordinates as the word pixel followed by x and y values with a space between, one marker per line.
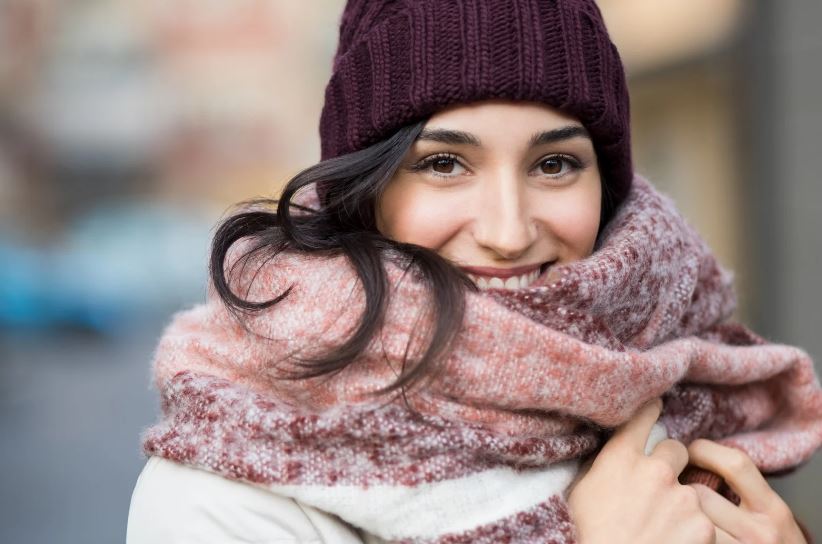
pixel 345 223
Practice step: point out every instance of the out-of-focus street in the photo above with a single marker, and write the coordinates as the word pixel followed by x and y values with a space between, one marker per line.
pixel 71 409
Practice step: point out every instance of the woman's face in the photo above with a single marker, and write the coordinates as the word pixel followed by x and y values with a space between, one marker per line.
pixel 502 189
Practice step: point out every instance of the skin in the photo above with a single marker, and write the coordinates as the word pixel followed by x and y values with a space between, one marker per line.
pixel 648 504
pixel 761 517
pixel 501 204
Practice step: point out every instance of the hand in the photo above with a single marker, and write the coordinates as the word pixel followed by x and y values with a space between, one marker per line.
pixel 761 517
pixel 630 497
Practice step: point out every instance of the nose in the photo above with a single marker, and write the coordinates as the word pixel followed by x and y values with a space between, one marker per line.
pixel 503 223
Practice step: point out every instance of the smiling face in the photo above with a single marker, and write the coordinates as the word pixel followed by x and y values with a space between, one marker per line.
pixel 502 189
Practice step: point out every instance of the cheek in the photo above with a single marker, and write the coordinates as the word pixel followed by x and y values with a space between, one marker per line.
pixel 418 216
pixel 573 219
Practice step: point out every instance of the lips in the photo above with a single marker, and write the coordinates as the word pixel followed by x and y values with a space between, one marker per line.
pixel 504 278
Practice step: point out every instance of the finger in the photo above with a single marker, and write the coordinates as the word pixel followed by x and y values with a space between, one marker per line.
pixel 673 452
pixel 725 515
pixel 723 537
pixel 737 469
pixel 634 433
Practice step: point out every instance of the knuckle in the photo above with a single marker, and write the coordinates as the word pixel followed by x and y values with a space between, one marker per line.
pixel 703 529
pixel 764 534
pixel 740 463
pixel 660 472
pixel 779 512
pixel 688 497
pixel 762 530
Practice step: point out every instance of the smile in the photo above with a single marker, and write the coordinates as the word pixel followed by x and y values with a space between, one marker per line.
pixel 501 278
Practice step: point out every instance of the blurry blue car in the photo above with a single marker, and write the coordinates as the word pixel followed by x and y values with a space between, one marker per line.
pixel 116 266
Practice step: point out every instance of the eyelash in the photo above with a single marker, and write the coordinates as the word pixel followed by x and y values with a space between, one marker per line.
pixel 425 163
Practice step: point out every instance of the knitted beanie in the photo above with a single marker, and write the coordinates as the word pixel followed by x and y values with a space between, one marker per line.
pixel 399 61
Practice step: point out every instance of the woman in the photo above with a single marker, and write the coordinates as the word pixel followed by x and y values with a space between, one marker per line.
pixel 457 306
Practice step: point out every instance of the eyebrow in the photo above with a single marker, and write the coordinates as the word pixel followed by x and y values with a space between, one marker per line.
pixel 458 137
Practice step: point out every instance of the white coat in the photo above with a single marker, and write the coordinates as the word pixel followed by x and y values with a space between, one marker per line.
pixel 177 504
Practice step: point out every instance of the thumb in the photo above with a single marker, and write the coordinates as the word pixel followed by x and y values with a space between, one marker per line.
pixel 633 434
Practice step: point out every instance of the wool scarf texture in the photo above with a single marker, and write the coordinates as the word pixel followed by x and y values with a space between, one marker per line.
pixel 537 378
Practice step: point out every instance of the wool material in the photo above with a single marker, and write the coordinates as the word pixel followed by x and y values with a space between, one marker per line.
pixel 399 61
pixel 536 380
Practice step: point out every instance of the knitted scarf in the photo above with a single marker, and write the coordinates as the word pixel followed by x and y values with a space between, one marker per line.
pixel 537 377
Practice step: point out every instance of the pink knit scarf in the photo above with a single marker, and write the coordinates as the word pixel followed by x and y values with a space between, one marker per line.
pixel 484 452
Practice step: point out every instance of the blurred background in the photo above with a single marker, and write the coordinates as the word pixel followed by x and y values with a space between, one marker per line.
pixel 127 129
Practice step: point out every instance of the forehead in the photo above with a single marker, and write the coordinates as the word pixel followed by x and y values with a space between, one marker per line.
pixel 502 125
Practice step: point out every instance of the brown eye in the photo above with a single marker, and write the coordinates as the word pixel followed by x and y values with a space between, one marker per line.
pixel 559 166
pixel 443 165
pixel 552 166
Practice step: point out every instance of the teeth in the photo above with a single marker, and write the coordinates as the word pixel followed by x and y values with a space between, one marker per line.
pixel 514 282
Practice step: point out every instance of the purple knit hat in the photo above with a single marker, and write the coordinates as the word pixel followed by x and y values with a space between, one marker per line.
pixel 399 61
